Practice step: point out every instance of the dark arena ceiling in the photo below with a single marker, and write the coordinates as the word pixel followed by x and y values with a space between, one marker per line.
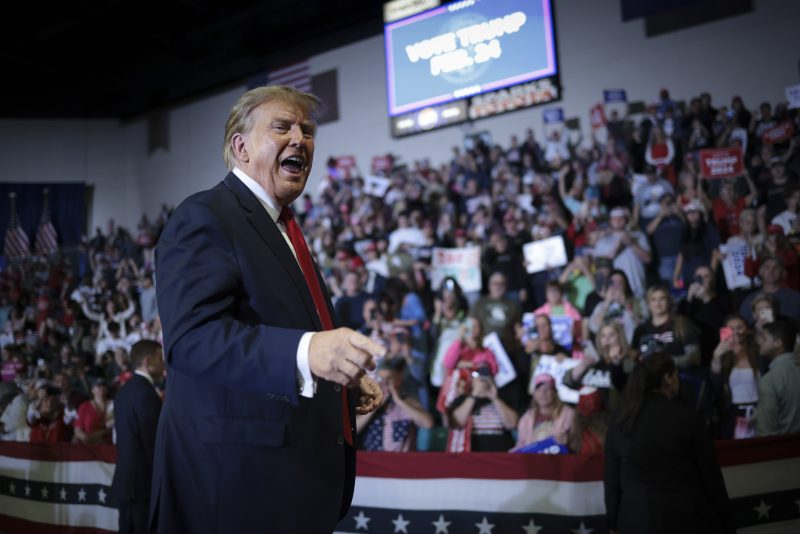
pixel 123 58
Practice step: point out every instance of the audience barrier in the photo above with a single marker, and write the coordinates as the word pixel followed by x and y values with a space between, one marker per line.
pixel 65 488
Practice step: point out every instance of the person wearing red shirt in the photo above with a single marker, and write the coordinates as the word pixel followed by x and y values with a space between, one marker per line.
pixel 727 208
pixel 95 416
pixel 49 427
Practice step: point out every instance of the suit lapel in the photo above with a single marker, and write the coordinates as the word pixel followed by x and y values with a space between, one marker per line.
pixel 268 230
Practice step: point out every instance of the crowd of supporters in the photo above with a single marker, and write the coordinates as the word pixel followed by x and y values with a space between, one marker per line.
pixel 660 260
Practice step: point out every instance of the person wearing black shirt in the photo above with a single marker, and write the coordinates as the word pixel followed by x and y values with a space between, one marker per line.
pixel 660 473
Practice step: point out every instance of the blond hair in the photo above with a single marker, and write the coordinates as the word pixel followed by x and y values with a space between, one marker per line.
pixel 239 120
pixel 617 327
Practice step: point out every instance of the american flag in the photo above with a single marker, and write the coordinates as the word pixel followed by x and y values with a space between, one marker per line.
pixel 389 430
pixel 16 244
pixel 46 236
pixel 64 488
pixel 297 75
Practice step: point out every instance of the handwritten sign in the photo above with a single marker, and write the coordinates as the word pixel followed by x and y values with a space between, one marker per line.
pixel 721 162
pixel 463 264
pixel 545 254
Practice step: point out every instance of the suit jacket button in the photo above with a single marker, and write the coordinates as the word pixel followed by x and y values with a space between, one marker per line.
pixel 339 440
pixel 337 388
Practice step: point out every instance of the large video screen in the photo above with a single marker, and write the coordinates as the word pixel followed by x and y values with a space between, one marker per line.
pixel 467 48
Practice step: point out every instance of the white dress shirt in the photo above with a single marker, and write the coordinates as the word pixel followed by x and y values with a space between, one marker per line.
pixel 304 376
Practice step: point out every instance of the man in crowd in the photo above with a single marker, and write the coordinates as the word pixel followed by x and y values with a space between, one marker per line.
pixel 779 389
pixel 628 250
pixel 257 426
pixel 771 272
pixel 647 202
pixel 497 313
pixel 136 409
pixel 350 306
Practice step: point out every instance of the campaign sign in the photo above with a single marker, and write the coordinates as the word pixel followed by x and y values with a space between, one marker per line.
pixel 735 256
pixel 553 115
pixel 545 446
pixel 721 162
pixel 778 133
pixel 614 95
pixel 545 254
pixel 562 327
pixel 463 264
pixel 551 366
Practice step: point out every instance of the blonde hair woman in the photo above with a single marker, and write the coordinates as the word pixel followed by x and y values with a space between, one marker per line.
pixel 605 369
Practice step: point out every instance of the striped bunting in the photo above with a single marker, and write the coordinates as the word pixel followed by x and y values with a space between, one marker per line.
pixel 65 489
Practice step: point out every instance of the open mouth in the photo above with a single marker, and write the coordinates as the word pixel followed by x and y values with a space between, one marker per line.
pixel 293 164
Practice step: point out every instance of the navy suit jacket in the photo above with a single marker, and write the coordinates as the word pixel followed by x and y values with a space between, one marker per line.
pixel 238 449
pixel 136 409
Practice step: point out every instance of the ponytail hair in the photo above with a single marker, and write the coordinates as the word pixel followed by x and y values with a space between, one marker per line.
pixel 646 377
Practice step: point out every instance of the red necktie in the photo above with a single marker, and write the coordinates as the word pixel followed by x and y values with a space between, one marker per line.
pixel 310 274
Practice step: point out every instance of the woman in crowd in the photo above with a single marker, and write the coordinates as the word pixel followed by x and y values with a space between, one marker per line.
pixel 540 342
pixel 706 309
pixel 728 207
pixel 765 308
pixel 392 427
pixel 734 380
pixel 660 152
pixel 700 245
pixel 449 315
pixel 95 416
pixel 688 190
pixel 604 370
pixel 776 245
pixel 48 425
pixel 747 240
pixel 619 304
pixel 666 332
pixel 408 310
pixel 468 352
pixel 661 474
pixel 480 420
pixel 557 306
pixel 545 425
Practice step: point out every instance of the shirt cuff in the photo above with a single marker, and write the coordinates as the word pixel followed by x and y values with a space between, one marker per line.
pixel 307 383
